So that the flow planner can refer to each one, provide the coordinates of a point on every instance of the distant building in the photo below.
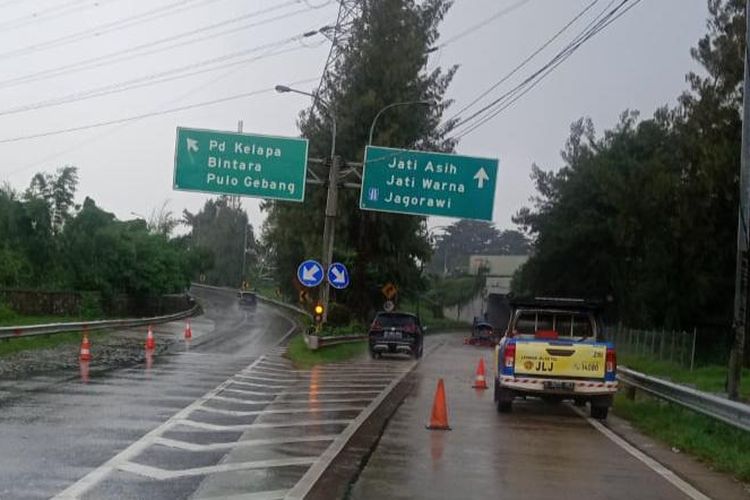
(496, 265)
(492, 303)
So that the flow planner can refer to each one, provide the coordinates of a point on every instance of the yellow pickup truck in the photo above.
(555, 349)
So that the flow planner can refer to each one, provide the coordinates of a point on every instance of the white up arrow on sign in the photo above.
(480, 177)
(308, 273)
(192, 145)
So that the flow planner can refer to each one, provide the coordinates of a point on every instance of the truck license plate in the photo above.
(559, 386)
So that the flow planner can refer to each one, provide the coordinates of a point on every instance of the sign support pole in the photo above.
(329, 228)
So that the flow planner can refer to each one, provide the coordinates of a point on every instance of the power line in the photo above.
(56, 12)
(114, 129)
(143, 49)
(523, 63)
(503, 102)
(472, 29)
(112, 26)
(148, 115)
(155, 78)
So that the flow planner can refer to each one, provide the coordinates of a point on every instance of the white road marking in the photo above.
(252, 384)
(258, 495)
(306, 401)
(299, 393)
(313, 474)
(243, 401)
(652, 464)
(240, 427)
(239, 413)
(184, 445)
(90, 480)
(162, 474)
(265, 379)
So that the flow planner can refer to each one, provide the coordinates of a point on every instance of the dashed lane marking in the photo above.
(162, 474)
(184, 445)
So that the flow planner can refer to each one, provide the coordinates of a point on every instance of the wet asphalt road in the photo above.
(226, 417)
(539, 451)
(55, 428)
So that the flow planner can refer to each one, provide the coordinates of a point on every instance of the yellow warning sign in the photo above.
(389, 290)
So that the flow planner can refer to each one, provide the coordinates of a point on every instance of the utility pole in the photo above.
(329, 227)
(736, 355)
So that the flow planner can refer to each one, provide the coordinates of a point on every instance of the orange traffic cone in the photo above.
(188, 330)
(439, 418)
(480, 382)
(85, 353)
(150, 342)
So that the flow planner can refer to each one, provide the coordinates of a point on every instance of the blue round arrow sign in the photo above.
(310, 273)
(338, 275)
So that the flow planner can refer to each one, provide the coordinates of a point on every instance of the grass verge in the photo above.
(302, 357)
(36, 320)
(710, 378)
(721, 446)
(12, 346)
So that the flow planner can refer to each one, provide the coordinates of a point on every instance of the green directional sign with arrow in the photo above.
(427, 183)
(238, 164)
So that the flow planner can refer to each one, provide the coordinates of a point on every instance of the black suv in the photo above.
(248, 299)
(396, 332)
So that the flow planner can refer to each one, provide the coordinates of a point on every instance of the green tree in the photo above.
(383, 62)
(464, 238)
(218, 235)
(647, 212)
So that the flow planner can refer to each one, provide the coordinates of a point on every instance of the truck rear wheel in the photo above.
(504, 406)
(599, 412)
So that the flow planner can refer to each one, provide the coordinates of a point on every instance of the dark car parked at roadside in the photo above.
(396, 333)
(248, 299)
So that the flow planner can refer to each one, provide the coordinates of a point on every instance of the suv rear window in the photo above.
(566, 324)
(394, 320)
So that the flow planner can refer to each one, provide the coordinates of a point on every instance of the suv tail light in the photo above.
(611, 360)
(509, 356)
(376, 326)
(410, 328)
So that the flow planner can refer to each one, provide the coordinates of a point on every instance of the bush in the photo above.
(338, 315)
(6, 313)
(91, 305)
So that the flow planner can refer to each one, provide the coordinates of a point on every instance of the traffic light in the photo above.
(318, 311)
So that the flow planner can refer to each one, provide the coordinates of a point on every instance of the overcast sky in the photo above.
(65, 49)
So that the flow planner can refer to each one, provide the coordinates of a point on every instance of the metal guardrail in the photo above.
(731, 412)
(11, 332)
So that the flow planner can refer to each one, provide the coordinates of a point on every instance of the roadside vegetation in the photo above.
(12, 346)
(708, 378)
(304, 358)
(646, 212)
(717, 444)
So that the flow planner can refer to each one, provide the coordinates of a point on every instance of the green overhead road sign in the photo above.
(426, 183)
(260, 166)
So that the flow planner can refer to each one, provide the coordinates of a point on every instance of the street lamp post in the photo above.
(385, 108)
(329, 226)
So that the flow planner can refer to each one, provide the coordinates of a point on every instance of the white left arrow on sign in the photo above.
(192, 145)
(481, 176)
(309, 273)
